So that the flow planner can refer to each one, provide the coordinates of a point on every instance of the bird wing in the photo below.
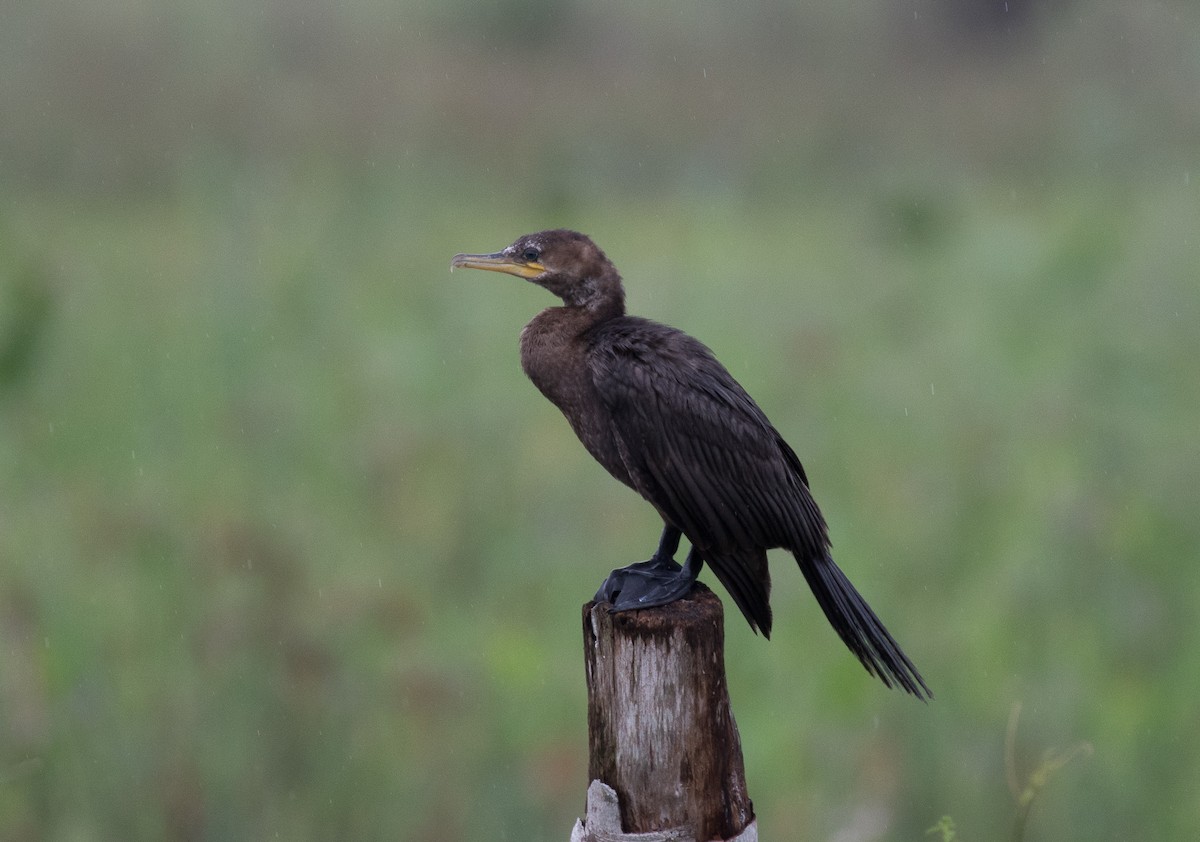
(703, 453)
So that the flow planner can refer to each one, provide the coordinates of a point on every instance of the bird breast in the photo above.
(554, 355)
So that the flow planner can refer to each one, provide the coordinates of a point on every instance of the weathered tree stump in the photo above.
(660, 730)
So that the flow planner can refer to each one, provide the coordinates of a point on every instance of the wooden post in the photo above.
(660, 731)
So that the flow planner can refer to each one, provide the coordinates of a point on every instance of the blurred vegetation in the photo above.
(289, 548)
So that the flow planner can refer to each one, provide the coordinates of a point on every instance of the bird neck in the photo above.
(599, 297)
(569, 322)
(601, 308)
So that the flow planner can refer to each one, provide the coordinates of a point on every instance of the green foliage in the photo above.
(25, 310)
(1025, 794)
(944, 829)
(290, 549)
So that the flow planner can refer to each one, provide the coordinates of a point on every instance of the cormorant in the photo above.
(657, 410)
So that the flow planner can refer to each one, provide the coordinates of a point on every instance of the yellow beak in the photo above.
(498, 262)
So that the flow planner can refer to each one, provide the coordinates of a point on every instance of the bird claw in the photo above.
(645, 584)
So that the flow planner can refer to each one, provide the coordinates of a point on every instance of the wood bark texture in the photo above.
(660, 729)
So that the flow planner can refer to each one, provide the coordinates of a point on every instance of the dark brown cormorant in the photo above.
(657, 410)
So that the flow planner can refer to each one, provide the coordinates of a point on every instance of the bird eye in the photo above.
(530, 254)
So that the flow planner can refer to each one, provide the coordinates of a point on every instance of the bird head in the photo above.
(564, 262)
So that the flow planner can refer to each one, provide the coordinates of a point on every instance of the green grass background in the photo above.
(289, 549)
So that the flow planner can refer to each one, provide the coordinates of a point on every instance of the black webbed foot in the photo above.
(646, 584)
(657, 581)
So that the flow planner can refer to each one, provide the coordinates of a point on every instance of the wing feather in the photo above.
(702, 452)
(696, 445)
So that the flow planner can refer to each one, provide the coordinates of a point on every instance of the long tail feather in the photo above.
(860, 629)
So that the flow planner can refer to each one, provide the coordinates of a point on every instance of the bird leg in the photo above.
(656, 581)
